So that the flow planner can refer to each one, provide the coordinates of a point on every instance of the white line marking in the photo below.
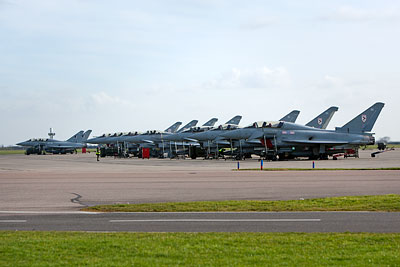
(45, 212)
(12, 221)
(219, 220)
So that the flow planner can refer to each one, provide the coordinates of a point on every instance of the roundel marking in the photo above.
(364, 118)
(319, 121)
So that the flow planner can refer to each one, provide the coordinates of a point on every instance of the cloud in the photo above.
(353, 14)
(260, 78)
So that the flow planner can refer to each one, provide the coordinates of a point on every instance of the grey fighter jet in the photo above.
(183, 138)
(214, 133)
(41, 145)
(112, 138)
(185, 135)
(321, 122)
(152, 136)
(285, 139)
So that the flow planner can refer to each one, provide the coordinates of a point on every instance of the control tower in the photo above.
(51, 133)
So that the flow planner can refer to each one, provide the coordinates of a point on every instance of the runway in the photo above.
(378, 222)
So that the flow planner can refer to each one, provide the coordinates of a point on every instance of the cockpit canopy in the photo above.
(38, 140)
(226, 127)
(198, 129)
(152, 132)
(118, 134)
(266, 124)
(132, 133)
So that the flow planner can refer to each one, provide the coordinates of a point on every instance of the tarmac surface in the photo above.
(378, 222)
(70, 182)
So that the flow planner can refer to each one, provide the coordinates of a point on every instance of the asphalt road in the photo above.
(379, 222)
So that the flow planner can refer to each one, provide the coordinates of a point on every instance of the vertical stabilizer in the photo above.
(323, 119)
(76, 138)
(235, 120)
(173, 127)
(291, 117)
(86, 136)
(364, 122)
(211, 122)
(189, 125)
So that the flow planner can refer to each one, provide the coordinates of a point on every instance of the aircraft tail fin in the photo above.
(187, 126)
(364, 122)
(76, 138)
(211, 122)
(173, 127)
(235, 120)
(86, 136)
(323, 119)
(291, 117)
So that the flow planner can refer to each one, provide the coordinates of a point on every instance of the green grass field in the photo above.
(11, 152)
(389, 203)
(198, 249)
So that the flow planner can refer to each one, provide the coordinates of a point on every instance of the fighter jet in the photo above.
(152, 136)
(246, 147)
(285, 139)
(41, 145)
(215, 132)
(181, 136)
(321, 121)
(112, 138)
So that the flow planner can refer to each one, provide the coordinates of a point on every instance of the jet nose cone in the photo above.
(20, 144)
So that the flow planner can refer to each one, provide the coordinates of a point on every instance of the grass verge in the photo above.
(352, 203)
(11, 152)
(198, 249)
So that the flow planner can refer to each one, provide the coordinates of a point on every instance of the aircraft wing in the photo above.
(315, 142)
(222, 142)
(193, 144)
(148, 141)
(253, 141)
(191, 140)
(59, 146)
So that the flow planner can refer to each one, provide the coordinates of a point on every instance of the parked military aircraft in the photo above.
(246, 147)
(212, 139)
(285, 139)
(182, 135)
(41, 145)
(152, 136)
(111, 138)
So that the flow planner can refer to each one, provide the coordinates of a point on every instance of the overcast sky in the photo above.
(128, 65)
